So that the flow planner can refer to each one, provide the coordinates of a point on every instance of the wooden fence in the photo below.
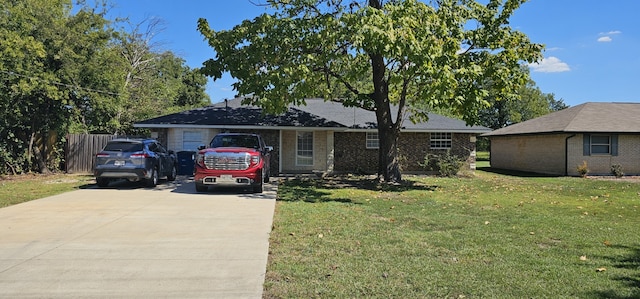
(81, 150)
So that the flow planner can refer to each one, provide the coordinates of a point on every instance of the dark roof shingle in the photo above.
(316, 113)
(583, 118)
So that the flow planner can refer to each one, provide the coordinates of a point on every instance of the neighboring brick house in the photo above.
(600, 134)
(323, 137)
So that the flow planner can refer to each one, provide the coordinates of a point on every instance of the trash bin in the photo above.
(186, 162)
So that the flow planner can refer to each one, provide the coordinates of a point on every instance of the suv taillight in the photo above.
(102, 155)
(141, 155)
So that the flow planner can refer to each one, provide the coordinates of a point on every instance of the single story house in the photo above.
(319, 137)
(598, 134)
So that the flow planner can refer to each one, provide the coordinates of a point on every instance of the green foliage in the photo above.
(446, 164)
(616, 170)
(583, 169)
(64, 69)
(528, 103)
(377, 55)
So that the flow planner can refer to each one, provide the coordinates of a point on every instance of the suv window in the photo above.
(123, 146)
(153, 147)
(160, 149)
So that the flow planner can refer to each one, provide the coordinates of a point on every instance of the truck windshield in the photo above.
(235, 141)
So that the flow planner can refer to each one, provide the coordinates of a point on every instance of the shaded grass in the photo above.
(493, 236)
(19, 189)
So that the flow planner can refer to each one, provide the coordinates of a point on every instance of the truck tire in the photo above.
(266, 177)
(201, 188)
(258, 187)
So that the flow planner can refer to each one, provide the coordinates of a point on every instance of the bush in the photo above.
(616, 169)
(445, 164)
(583, 169)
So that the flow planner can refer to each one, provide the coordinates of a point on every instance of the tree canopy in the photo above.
(414, 55)
(64, 69)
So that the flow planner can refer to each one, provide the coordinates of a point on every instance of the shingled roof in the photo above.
(585, 118)
(317, 113)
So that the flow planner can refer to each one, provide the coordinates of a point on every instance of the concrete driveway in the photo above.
(133, 242)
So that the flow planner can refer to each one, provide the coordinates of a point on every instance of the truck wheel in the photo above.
(266, 177)
(201, 188)
(102, 182)
(153, 180)
(173, 174)
(258, 188)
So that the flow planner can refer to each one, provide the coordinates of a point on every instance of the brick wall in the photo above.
(536, 153)
(351, 154)
(628, 156)
(546, 154)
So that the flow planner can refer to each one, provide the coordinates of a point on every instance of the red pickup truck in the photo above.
(233, 159)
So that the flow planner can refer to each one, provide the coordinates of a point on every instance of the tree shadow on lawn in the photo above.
(308, 189)
(515, 173)
(631, 264)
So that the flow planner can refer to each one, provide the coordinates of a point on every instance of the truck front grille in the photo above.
(227, 161)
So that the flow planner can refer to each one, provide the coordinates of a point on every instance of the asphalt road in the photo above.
(128, 241)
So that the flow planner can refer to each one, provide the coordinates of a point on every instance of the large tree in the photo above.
(530, 103)
(66, 69)
(415, 56)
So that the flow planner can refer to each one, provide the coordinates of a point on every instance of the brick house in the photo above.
(600, 134)
(323, 137)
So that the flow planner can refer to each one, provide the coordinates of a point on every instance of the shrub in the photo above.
(583, 169)
(616, 169)
(445, 164)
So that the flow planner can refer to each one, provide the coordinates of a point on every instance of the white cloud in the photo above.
(550, 65)
(604, 39)
(614, 32)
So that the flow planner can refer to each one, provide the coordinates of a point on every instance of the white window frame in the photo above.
(188, 142)
(441, 140)
(304, 156)
(373, 142)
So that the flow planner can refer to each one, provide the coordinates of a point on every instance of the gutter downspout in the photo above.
(566, 154)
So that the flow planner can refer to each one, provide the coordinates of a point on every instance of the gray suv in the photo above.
(135, 160)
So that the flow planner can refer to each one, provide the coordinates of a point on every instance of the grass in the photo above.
(483, 156)
(23, 188)
(490, 236)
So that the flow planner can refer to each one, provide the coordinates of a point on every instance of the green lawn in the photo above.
(490, 236)
(18, 189)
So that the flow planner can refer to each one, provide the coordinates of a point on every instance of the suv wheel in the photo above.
(172, 175)
(153, 180)
(102, 182)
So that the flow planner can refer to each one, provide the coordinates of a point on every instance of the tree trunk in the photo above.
(388, 131)
(36, 154)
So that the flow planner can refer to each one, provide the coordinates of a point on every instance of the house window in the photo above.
(440, 140)
(601, 144)
(191, 140)
(304, 150)
(372, 140)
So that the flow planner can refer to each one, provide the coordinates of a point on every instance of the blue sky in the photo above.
(591, 45)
